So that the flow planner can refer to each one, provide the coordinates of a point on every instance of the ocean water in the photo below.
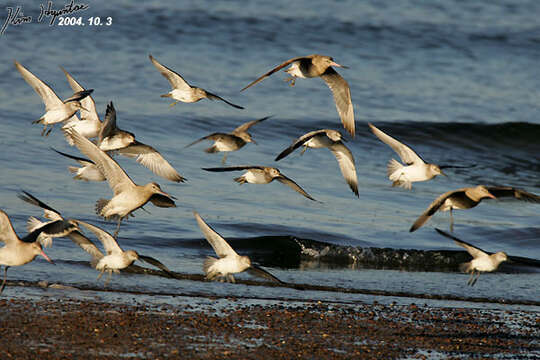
(456, 81)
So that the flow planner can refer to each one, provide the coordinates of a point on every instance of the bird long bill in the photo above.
(46, 257)
(442, 173)
(333, 63)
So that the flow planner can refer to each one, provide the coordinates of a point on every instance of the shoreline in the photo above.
(55, 324)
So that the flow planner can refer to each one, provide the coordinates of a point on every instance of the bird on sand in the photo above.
(88, 170)
(111, 138)
(235, 140)
(128, 196)
(229, 261)
(469, 197)
(56, 110)
(16, 251)
(333, 140)
(415, 169)
(320, 66)
(481, 262)
(89, 124)
(261, 175)
(182, 91)
(33, 224)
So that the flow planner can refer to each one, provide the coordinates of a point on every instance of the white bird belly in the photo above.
(227, 265)
(225, 145)
(256, 177)
(295, 71)
(112, 262)
(87, 128)
(318, 142)
(411, 173)
(122, 204)
(57, 115)
(184, 96)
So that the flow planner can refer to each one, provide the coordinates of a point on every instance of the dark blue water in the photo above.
(456, 81)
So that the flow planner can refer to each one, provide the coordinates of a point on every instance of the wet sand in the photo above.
(225, 328)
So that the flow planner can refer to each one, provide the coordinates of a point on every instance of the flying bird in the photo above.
(481, 262)
(415, 169)
(89, 124)
(115, 258)
(235, 140)
(64, 229)
(88, 170)
(128, 196)
(261, 175)
(182, 91)
(469, 197)
(229, 261)
(16, 251)
(333, 140)
(111, 138)
(320, 66)
(56, 110)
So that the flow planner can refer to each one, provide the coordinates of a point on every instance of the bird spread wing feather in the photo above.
(297, 143)
(260, 272)
(176, 81)
(433, 207)
(218, 243)
(233, 168)
(245, 126)
(7, 233)
(345, 160)
(109, 243)
(211, 96)
(89, 112)
(471, 249)
(117, 178)
(150, 158)
(407, 155)
(508, 191)
(290, 183)
(342, 97)
(47, 94)
(277, 68)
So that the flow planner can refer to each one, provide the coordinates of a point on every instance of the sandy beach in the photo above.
(64, 327)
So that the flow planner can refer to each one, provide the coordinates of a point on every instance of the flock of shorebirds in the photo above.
(110, 140)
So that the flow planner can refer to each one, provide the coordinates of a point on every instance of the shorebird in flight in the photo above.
(115, 258)
(469, 197)
(52, 215)
(112, 138)
(56, 110)
(235, 140)
(128, 196)
(16, 251)
(182, 91)
(481, 262)
(320, 66)
(261, 175)
(229, 261)
(89, 124)
(88, 170)
(333, 140)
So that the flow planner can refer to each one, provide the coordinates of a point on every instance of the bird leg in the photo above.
(476, 278)
(231, 279)
(117, 229)
(291, 80)
(174, 103)
(49, 131)
(44, 130)
(100, 275)
(452, 222)
(108, 278)
(303, 150)
(224, 159)
(5, 278)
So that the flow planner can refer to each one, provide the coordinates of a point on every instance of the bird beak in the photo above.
(491, 196)
(46, 257)
(343, 139)
(253, 141)
(333, 63)
(173, 197)
(83, 108)
(443, 174)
